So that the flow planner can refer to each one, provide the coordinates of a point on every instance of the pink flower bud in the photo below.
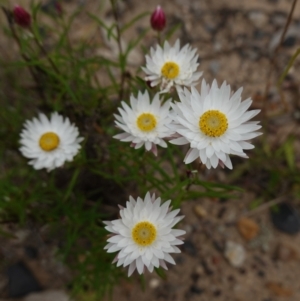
(58, 7)
(21, 16)
(158, 19)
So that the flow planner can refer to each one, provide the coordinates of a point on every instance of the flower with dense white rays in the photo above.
(49, 142)
(171, 66)
(144, 122)
(143, 235)
(214, 123)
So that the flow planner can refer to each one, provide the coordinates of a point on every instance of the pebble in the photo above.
(286, 218)
(196, 290)
(21, 281)
(189, 248)
(248, 228)
(278, 18)
(20, 236)
(234, 253)
(285, 252)
(50, 295)
(263, 240)
(291, 38)
(200, 211)
(289, 41)
(154, 283)
(214, 67)
(259, 18)
(279, 290)
(199, 270)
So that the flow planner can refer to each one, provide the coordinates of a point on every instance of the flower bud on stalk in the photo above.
(58, 8)
(21, 16)
(158, 19)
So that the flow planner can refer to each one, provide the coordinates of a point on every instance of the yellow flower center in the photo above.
(213, 123)
(146, 122)
(170, 70)
(144, 234)
(49, 141)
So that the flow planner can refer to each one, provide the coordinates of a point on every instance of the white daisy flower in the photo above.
(214, 123)
(49, 143)
(170, 66)
(144, 123)
(143, 235)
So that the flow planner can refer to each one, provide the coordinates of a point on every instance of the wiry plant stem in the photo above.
(121, 55)
(274, 57)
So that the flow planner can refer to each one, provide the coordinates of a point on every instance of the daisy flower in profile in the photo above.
(214, 123)
(172, 66)
(144, 123)
(143, 235)
(49, 142)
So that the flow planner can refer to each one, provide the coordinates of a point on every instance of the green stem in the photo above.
(121, 54)
(71, 184)
(158, 37)
(273, 62)
(44, 52)
(288, 67)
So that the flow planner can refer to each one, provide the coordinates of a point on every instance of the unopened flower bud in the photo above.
(21, 16)
(158, 19)
(58, 7)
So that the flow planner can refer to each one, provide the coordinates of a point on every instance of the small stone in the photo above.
(259, 18)
(235, 253)
(154, 283)
(248, 228)
(50, 295)
(291, 37)
(199, 270)
(200, 211)
(285, 252)
(286, 218)
(289, 41)
(279, 290)
(214, 67)
(21, 281)
(20, 236)
(196, 290)
(278, 18)
(189, 248)
(265, 247)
